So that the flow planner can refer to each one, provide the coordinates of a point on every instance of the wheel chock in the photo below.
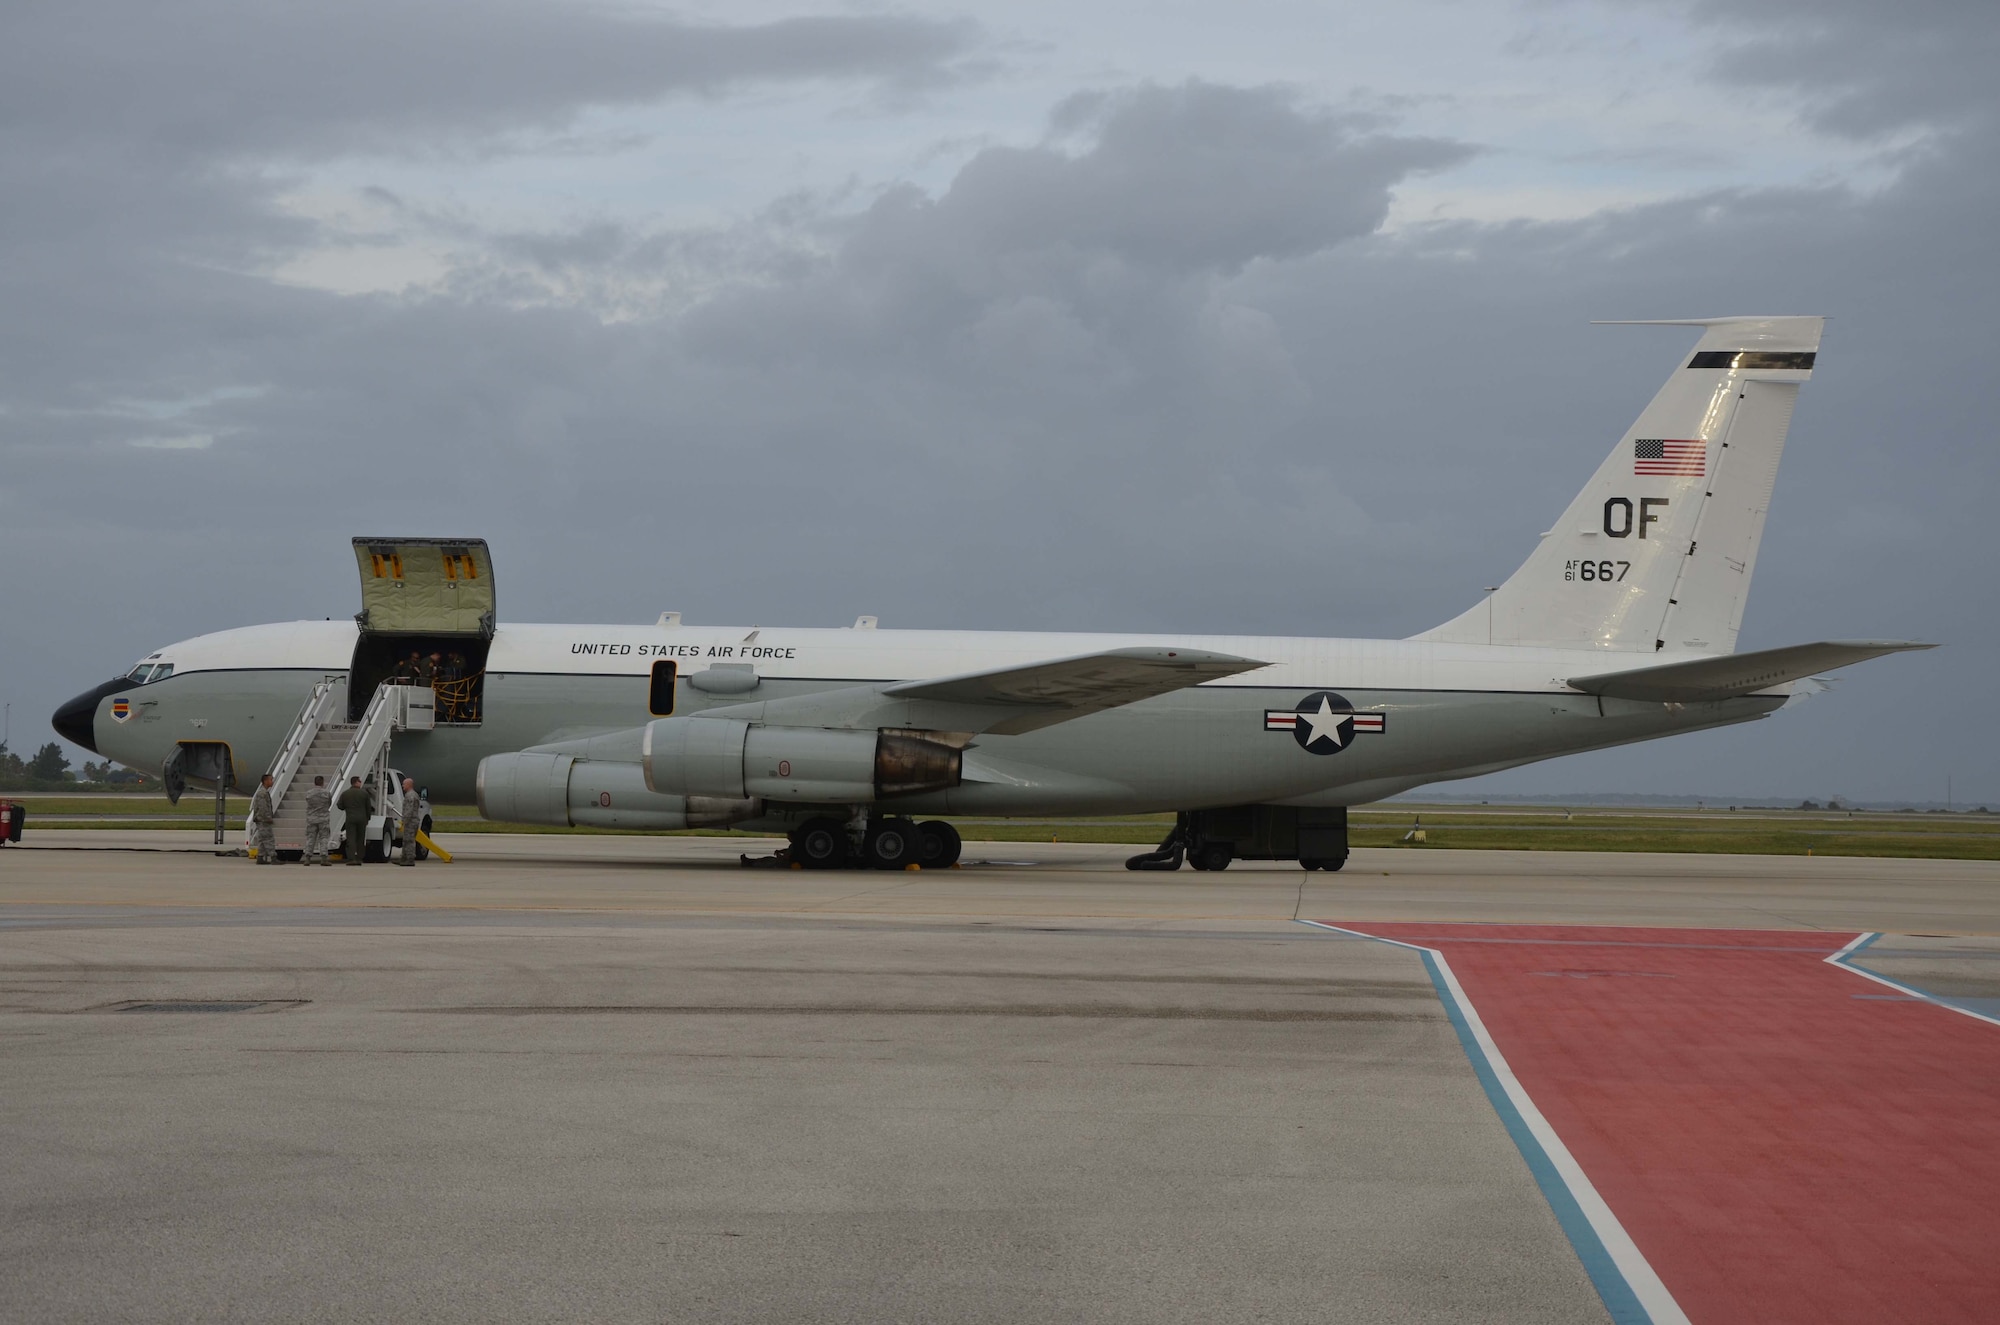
(913, 866)
(424, 840)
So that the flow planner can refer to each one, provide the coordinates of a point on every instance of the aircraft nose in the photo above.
(76, 721)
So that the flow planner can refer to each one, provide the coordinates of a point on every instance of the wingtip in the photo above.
(1706, 321)
(1888, 645)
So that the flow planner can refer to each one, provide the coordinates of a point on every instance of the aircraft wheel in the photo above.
(939, 845)
(893, 843)
(820, 844)
(1212, 856)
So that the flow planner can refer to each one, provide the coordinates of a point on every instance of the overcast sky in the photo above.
(1268, 317)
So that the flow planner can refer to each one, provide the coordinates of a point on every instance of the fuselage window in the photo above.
(660, 696)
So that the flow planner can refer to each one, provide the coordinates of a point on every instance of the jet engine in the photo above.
(724, 757)
(564, 791)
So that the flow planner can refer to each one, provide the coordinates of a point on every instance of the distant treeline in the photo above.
(48, 770)
(1615, 800)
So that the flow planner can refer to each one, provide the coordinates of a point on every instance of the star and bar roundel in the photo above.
(1323, 723)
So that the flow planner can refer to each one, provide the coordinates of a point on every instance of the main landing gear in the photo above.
(1212, 839)
(886, 844)
(1169, 854)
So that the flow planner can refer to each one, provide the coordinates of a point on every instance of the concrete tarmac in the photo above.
(624, 1079)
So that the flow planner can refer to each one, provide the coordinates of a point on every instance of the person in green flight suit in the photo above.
(357, 803)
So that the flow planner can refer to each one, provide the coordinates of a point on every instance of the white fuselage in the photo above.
(1447, 710)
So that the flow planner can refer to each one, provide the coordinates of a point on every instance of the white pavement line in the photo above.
(1861, 941)
(1640, 1278)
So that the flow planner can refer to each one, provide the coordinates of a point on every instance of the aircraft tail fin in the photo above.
(1657, 551)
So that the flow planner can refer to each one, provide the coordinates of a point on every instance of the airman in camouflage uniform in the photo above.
(263, 823)
(412, 813)
(319, 823)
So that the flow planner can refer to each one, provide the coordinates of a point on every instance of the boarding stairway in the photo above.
(321, 745)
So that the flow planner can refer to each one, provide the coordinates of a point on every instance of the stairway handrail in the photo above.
(313, 715)
(381, 719)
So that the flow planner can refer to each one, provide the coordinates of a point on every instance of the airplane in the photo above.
(1620, 626)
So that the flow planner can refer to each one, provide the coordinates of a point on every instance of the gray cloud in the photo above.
(1862, 68)
(146, 147)
(1186, 178)
(1162, 371)
(213, 77)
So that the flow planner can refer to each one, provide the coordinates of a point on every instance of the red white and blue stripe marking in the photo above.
(1286, 720)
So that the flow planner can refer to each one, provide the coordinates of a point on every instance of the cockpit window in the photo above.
(147, 672)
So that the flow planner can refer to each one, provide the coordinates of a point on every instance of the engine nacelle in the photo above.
(564, 791)
(727, 758)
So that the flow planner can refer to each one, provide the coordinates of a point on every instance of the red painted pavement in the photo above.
(1778, 1148)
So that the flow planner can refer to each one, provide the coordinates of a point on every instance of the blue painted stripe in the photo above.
(1974, 1007)
(1605, 1276)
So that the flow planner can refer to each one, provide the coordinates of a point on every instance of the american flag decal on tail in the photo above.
(1666, 455)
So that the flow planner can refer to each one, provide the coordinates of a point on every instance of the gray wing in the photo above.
(1003, 700)
(1044, 693)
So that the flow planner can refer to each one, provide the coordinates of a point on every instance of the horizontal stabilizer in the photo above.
(1735, 674)
(1066, 688)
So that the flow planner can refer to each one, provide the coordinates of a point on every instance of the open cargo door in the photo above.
(423, 598)
(425, 586)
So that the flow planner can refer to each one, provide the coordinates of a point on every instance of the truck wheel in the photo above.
(820, 844)
(1212, 856)
(939, 845)
(893, 843)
